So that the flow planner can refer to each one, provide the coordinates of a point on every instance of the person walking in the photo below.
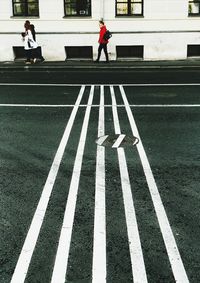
(36, 51)
(32, 50)
(29, 43)
(102, 42)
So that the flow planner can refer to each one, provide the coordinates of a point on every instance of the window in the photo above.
(130, 52)
(193, 50)
(78, 52)
(25, 8)
(129, 7)
(194, 8)
(80, 8)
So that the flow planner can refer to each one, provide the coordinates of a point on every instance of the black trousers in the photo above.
(36, 53)
(28, 55)
(104, 47)
(33, 53)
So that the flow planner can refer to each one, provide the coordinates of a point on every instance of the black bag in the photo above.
(107, 35)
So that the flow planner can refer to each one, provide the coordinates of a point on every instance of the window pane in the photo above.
(136, 9)
(19, 9)
(194, 8)
(33, 9)
(122, 9)
(70, 10)
(136, 1)
(25, 7)
(120, 1)
(77, 8)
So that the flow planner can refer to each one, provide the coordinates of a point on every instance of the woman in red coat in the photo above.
(102, 42)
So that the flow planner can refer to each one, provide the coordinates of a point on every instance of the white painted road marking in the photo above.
(137, 260)
(106, 105)
(22, 266)
(119, 140)
(170, 243)
(61, 261)
(75, 85)
(102, 139)
(99, 242)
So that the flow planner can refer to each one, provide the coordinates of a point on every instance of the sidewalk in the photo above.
(83, 64)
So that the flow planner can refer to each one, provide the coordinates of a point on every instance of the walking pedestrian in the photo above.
(102, 42)
(36, 51)
(32, 50)
(29, 43)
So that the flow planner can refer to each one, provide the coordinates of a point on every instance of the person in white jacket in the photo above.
(29, 44)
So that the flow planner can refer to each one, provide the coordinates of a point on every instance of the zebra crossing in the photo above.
(99, 250)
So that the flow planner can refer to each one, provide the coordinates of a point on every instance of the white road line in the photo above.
(170, 243)
(22, 266)
(164, 105)
(37, 105)
(106, 105)
(118, 141)
(31, 84)
(164, 84)
(61, 261)
(137, 260)
(99, 242)
(127, 85)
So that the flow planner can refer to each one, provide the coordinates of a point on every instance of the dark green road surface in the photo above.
(32, 123)
(99, 76)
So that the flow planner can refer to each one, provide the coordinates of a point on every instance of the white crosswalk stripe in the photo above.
(99, 245)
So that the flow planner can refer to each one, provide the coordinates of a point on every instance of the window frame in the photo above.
(78, 15)
(193, 14)
(26, 3)
(129, 2)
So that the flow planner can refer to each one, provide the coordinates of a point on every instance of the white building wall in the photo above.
(165, 30)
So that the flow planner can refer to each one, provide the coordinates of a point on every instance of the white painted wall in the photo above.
(153, 30)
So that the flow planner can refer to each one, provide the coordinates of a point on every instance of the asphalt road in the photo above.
(99, 75)
(167, 118)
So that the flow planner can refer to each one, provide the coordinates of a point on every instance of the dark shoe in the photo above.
(96, 61)
(42, 60)
(107, 61)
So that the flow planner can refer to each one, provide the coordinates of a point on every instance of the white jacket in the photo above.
(29, 38)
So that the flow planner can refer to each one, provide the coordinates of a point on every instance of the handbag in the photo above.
(107, 35)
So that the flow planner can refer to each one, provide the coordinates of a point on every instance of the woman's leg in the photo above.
(28, 55)
(106, 52)
(99, 51)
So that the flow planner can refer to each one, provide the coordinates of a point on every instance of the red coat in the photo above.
(101, 34)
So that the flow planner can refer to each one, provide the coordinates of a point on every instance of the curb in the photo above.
(12, 66)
